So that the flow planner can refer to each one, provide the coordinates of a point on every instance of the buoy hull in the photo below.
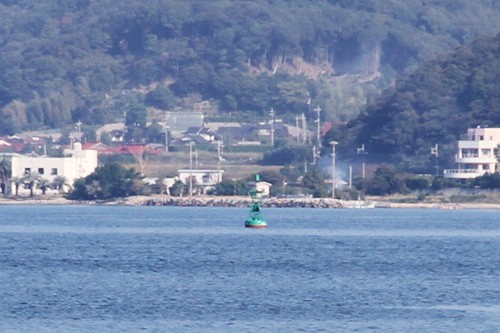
(255, 224)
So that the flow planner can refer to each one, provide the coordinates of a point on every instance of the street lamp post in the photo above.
(334, 183)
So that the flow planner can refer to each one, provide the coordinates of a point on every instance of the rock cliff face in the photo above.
(243, 202)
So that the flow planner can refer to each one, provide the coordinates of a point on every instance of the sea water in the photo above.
(172, 269)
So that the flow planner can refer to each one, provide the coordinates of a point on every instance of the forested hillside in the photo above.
(434, 105)
(68, 60)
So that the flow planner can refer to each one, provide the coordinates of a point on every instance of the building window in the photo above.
(486, 167)
(469, 153)
(485, 152)
(54, 171)
(481, 138)
(40, 171)
(27, 170)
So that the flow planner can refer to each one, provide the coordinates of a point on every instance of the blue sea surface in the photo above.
(196, 269)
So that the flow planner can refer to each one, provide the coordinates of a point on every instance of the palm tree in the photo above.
(5, 172)
(16, 181)
(30, 180)
(44, 184)
(59, 182)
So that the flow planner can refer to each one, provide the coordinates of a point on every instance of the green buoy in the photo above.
(255, 219)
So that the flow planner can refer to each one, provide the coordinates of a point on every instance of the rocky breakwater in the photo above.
(243, 202)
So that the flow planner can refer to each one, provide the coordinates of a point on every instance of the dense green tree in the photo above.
(136, 116)
(441, 183)
(135, 121)
(315, 181)
(232, 187)
(65, 138)
(5, 173)
(108, 181)
(177, 190)
(290, 174)
(384, 182)
(155, 133)
(89, 134)
(287, 155)
(417, 183)
(161, 98)
(106, 138)
(487, 181)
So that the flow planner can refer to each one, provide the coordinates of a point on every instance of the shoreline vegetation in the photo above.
(243, 201)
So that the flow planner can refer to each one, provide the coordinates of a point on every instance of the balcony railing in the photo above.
(448, 171)
(468, 155)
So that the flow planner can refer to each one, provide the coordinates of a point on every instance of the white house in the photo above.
(206, 179)
(476, 155)
(77, 164)
(261, 186)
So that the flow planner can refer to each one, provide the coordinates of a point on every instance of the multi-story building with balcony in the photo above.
(476, 155)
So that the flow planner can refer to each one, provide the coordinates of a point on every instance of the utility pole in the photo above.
(318, 128)
(315, 155)
(297, 126)
(334, 183)
(191, 168)
(166, 138)
(362, 152)
(304, 129)
(350, 176)
(435, 151)
(271, 113)
(219, 159)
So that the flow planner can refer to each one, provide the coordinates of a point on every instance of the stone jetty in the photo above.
(243, 202)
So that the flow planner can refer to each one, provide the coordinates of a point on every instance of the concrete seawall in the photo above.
(243, 202)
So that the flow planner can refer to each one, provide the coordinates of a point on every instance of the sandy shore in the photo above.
(158, 200)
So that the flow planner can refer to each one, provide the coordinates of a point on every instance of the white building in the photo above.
(476, 155)
(261, 186)
(206, 179)
(77, 164)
